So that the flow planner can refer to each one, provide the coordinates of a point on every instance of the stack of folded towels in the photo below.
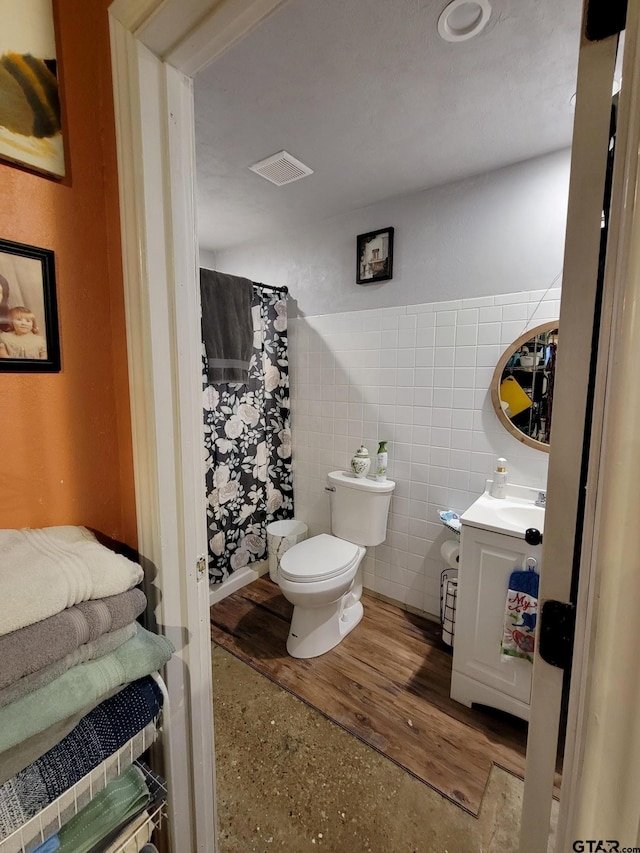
(75, 669)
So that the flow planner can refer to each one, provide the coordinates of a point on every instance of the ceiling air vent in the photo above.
(281, 168)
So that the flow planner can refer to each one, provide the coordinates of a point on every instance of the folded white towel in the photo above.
(44, 571)
(69, 533)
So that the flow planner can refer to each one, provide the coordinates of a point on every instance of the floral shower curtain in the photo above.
(249, 479)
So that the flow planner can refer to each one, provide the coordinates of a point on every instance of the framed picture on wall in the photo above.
(29, 338)
(375, 256)
(30, 123)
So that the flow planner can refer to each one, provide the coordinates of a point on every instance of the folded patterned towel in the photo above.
(13, 760)
(61, 569)
(122, 799)
(89, 651)
(97, 736)
(35, 647)
(157, 793)
(140, 656)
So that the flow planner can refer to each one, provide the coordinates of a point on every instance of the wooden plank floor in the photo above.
(387, 683)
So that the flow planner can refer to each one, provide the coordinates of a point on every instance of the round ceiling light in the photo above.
(463, 19)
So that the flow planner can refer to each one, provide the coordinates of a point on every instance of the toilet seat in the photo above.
(319, 558)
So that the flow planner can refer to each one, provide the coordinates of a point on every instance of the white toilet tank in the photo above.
(359, 507)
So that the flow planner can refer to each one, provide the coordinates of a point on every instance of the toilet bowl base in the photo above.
(316, 630)
(350, 617)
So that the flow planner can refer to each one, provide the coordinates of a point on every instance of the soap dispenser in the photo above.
(499, 484)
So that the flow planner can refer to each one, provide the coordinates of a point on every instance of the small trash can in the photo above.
(282, 535)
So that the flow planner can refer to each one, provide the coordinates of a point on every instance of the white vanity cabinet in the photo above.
(480, 673)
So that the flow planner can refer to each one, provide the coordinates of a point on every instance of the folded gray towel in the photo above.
(105, 644)
(37, 646)
(227, 326)
(57, 701)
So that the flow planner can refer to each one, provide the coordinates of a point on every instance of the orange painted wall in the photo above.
(67, 456)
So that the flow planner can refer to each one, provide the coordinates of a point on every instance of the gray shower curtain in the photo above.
(249, 480)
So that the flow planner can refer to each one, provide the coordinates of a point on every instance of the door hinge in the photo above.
(201, 566)
(557, 629)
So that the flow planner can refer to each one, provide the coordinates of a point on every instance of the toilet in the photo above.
(321, 576)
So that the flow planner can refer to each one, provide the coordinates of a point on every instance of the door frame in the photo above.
(602, 775)
(157, 47)
(568, 538)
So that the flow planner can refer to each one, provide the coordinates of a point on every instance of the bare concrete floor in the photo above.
(289, 779)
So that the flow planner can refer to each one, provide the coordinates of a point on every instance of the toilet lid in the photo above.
(319, 558)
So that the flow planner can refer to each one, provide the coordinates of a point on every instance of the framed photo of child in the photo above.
(29, 338)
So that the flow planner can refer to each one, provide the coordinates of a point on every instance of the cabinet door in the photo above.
(486, 562)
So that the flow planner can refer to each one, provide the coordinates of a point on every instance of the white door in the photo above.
(581, 376)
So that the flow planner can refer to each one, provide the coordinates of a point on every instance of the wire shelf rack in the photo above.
(49, 820)
(139, 831)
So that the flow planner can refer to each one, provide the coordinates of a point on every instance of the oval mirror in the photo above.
(522, 385)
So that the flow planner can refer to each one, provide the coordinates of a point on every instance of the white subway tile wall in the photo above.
(417, 376)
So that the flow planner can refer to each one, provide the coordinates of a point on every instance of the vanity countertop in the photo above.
(511, 515)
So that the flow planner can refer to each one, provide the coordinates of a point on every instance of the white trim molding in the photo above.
(241, 577)
(156, 161)
(170, 533)
(578, 309)
(225, 26)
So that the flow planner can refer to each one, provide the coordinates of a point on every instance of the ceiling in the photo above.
(368, 95)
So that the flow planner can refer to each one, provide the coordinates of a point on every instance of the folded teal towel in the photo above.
(79, 686)
(120, 800)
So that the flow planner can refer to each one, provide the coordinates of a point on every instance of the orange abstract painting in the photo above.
(30, 126)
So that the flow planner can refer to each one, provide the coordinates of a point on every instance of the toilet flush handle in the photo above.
(329, 488)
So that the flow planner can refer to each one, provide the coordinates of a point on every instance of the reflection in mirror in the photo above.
(522, 385)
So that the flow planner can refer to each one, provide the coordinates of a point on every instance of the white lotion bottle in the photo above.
(499, 484)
